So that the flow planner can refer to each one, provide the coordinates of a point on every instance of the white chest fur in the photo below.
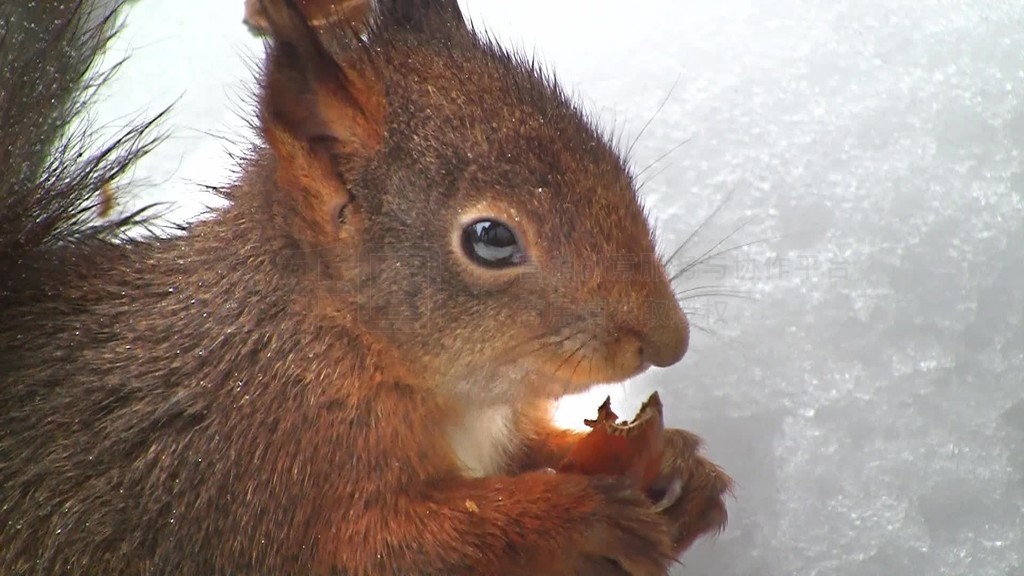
(483, 440)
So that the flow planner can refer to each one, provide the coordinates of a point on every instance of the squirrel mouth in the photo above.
(559, 378)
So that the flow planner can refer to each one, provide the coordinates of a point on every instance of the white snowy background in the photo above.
(868, 397)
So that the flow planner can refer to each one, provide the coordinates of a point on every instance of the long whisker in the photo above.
(696, 288)
(704, 257)
(538, 339)
(698, 229)
(545, 341)
(590, 368)
(652, 177)
(667, 153)
(576, 351)
(707, 289)
(583, 357)
(664, 102)
(722, 294)
(705, 330)
(531, 342)
(709, 255)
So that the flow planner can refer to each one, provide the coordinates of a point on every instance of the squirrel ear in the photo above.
(322, 114)
(317, 12)
(422, 14)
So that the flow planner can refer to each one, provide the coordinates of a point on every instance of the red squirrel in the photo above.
(350, 368)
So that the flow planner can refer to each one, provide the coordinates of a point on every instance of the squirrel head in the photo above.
(463, 211)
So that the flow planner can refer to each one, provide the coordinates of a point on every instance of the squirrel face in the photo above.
(474, 219)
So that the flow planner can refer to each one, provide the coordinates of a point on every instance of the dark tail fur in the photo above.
(51, 167)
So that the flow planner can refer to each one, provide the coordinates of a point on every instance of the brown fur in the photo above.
(275, 391)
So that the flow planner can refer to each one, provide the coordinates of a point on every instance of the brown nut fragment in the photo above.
(628, 449)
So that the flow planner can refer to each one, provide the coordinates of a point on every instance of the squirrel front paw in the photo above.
(628, 537)
(692, 490)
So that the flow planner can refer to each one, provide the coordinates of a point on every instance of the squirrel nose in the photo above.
(669, 336)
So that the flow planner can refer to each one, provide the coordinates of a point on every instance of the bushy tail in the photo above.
(52, 169)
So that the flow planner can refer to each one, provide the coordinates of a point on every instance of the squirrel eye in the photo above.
(492, 244)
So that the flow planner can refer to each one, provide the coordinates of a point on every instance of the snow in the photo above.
(868, 395)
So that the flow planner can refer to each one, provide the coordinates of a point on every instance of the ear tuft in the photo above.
(318, 13)
(322, 114)
(422, 15)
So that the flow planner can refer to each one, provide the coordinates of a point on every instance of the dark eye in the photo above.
(491, 244)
